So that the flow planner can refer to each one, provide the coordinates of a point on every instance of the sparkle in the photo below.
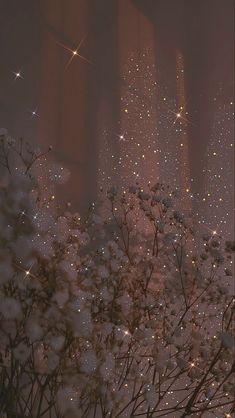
(17, 75)
(27, 272)
(75, 53)
(181, 115)
(34, 113)
(121, 137)
(22, 213)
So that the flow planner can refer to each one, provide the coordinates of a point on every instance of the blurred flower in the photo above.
(10, 308)
(22, 353)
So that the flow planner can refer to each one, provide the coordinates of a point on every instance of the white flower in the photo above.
(62, 229)
(144, 206)
(107, 328)
(52, 361)
(33, 330)
(112, 193)
(7, 231)
(21, 352)
(228, 340)
(156, 199)
(209, 393)
(20, 182)
(88, 362)
(122, 334)
(113, 246)
(84, 238)
(167, 202)
(106, 295)
(194, 373)
(22, 247)
(181, 363)
(78, 303)
(3, 132)
(97, 219)
(107, 367)
(103, 272)
(139, 334)
(4, 340)
(115, 266)
(161, 359)
(57, 342)
(178, 216)
(61, 297)
(150, 395)
(156, 187)
(69, 269)
(39, 358)
(68, 401)
(125, 302)
(7, 271)
(42, 245)
(133, 189)
(43, 220)
(143, 196)
(82, 323)
(10, 308)
(205, 353)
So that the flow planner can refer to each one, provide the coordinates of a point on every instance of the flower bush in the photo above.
(125, 313)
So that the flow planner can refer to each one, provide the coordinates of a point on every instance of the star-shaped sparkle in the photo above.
(74, 53)
(181, 115)
(17, 75)
(27, 272)
(34, 113)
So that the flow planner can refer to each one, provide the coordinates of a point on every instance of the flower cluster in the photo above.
(125, 313)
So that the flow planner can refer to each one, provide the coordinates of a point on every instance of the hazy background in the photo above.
(76, 105)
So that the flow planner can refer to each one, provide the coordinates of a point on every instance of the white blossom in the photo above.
(88, 362)
(33, 330)
(21, 352)
(10, 308)
(93, 313)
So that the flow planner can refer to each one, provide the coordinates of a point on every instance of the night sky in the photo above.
(125, 91)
